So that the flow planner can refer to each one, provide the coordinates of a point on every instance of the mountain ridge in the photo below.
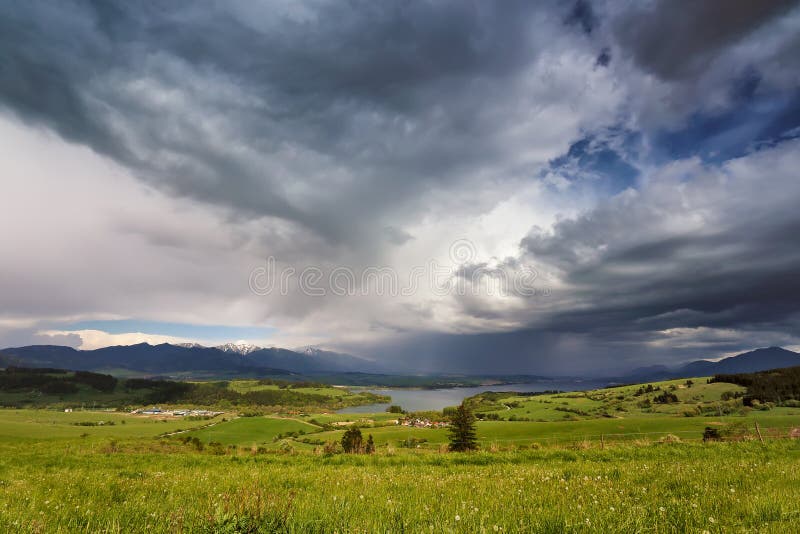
(167, 358)
(761, 359)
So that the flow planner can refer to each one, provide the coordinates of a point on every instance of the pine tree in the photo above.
(370, 447)
(462, 430)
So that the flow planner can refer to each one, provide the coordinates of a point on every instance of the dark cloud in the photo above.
(695, 248)
(679, 39)
(698, 262)
(604, 57)
(582, 15)
(222, 103)
(522, 351)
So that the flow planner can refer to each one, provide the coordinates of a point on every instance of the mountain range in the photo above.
(188, 358)
(241, 359)
(747, 362)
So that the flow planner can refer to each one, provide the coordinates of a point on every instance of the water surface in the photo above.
(435, 399)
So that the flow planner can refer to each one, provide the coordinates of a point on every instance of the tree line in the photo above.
(53, 381)
(776, 385)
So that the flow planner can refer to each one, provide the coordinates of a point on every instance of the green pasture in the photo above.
(25, 426)
(664, 488)
(614, 401)
(247, 431)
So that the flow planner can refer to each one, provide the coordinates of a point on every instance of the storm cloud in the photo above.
(638, 158)
(677, 40)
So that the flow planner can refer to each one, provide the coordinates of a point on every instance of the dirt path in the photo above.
(168, 434)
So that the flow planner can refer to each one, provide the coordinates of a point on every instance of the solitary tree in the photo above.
(352, 440)
(462, 430)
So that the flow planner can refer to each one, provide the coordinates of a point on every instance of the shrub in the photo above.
(711, 434)
(330, 448)
(667, 397)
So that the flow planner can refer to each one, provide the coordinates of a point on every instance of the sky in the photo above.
(450, 186)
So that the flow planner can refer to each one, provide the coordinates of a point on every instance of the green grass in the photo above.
(359, 418)
(26, 426)
(247, 431)
(243, 386)
(660, 488)
(619, 401)
(138, 475)
(558, 432)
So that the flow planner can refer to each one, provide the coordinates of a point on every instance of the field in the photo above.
(695, 395)
(27, 427)
(642, 469)
(150, 486)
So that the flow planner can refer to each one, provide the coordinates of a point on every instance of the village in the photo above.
(155, 410)
(421, 422)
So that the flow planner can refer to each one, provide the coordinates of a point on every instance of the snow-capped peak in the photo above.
(239, 348)
(309, 350)
(191, 345)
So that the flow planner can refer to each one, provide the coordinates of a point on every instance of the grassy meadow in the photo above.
(162, 486)
(615, 464)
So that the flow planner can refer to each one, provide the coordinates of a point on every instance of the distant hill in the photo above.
(165, 359)
(748, 362)
(6, 361)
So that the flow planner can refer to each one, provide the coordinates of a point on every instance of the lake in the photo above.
(413, 400)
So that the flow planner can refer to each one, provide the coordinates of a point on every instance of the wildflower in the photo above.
(458, 517)
(661, 509)
(712, 520)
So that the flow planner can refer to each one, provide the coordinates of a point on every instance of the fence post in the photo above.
(602, 442)
(758, 431)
